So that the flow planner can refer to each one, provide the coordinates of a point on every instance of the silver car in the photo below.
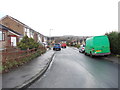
(82, 49)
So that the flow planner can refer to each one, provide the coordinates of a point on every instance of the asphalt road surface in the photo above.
(71, 69)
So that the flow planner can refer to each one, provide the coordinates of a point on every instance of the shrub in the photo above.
(114, 38)
(9, 64)
(77, 45)
(27, 43)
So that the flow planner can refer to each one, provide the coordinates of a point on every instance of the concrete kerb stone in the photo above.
(34, 78)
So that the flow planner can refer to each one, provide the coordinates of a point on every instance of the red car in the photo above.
(63, 45)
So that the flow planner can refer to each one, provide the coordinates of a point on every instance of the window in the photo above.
(28, 33)
(2, 36)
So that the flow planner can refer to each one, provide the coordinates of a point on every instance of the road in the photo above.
(71, 69)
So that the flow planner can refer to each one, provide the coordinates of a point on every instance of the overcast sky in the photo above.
(64, 17)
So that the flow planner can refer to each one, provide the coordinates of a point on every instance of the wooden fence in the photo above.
(15, 57)
(17, 53)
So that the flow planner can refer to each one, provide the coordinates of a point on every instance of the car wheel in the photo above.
(91, 55)
(85, 53)
(105, 55)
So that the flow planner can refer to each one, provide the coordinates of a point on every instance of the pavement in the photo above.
(25, 75)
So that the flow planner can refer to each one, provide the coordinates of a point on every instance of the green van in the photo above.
(97, 46)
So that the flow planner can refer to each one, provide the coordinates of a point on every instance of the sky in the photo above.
(64, 17)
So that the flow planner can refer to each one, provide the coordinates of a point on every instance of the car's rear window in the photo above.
(82, 45)
(57, 44)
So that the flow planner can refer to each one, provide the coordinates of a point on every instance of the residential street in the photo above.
(59, 44)
(71, 69)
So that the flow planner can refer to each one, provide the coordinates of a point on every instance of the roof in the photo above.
(21, 24)
(8, 29)
(15, 20)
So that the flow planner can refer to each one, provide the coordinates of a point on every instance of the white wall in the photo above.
(39, 38)
(28, 33)
(45, 39)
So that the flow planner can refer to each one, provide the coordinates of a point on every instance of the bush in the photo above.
(114, 38)
(9, 64)
(67, 43)
(27, 43)
(77, 45)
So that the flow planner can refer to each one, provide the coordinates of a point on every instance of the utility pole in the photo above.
(50, 37)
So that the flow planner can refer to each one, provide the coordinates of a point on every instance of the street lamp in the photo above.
(50, 37)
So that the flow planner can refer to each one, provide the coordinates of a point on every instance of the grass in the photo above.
(115, 55)
(118, 56)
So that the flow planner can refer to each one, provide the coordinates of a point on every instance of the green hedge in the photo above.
(114, 38)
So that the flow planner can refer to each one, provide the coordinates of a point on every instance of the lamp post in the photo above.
(50, 37)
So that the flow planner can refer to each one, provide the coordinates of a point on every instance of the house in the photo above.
(8, 37)
(17, 26)
(14, 24)
(22, 28)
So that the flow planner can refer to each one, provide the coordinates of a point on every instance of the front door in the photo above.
(13, 41)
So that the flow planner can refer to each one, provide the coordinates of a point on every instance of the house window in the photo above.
(2, 36)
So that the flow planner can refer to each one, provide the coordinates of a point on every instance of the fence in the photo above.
(17, 54)
(17, 57)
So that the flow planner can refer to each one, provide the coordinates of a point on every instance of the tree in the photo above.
(114, 38)
(27, 43)
(119, 43)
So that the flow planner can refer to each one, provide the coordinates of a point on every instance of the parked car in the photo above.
(82, 49)
(48, 46)
(97, 46)
(63, 45)
(43, 44)
(57, 47)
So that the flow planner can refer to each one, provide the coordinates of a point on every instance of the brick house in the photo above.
(23, 29)
(13, 24)
(8, 37)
